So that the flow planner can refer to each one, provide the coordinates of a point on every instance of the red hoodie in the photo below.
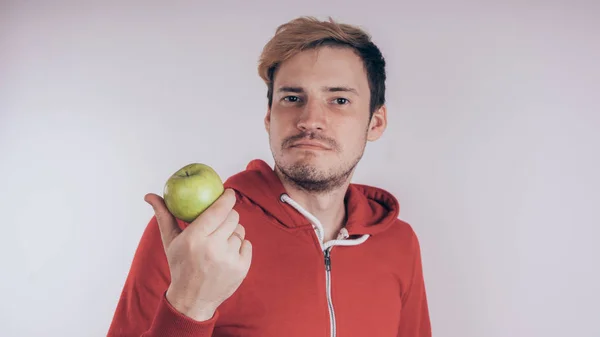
(367, 282)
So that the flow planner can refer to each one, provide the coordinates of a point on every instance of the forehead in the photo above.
(325, 66)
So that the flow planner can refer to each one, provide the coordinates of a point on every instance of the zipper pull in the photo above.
(327, 260)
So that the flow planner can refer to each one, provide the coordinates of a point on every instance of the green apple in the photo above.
(191, 190)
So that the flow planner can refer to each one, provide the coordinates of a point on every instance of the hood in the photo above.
(370, 210)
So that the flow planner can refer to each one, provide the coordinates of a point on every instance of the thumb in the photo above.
(167, 224)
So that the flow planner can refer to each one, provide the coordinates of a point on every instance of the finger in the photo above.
(241, 231)
(234, 242)
(167, 224)
(215, 214)
(246, 253)
(227, 227)
(237, 237)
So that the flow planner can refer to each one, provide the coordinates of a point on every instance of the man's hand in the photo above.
(208, 260)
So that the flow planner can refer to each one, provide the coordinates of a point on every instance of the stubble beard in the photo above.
(306, 176)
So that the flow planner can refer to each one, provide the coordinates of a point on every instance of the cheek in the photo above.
(280, 127)
(353, 137)
(275, 132)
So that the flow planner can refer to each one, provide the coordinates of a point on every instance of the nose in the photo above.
(312, 117)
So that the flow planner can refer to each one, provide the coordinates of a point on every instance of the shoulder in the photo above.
(404, 228)
(407, 235)
(398, 241)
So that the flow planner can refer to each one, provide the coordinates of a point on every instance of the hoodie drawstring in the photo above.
(341, 239)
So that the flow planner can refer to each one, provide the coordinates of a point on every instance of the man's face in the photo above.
(318, 123)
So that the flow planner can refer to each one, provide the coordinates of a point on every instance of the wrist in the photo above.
(195, 310)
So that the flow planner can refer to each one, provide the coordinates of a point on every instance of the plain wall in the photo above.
(493, 147)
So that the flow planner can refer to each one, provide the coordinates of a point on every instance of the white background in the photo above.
(493, 147)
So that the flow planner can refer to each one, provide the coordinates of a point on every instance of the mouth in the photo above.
(309, 145)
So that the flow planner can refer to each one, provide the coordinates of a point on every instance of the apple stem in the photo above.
(187, 174)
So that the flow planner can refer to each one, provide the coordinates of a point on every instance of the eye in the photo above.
(291, 99)
(341, 101)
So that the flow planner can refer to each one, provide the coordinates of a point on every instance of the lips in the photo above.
(310, 145)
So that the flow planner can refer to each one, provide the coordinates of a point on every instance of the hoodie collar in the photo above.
(369, 210)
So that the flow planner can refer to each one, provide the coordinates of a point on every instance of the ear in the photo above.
(268, 120)
(377, 124)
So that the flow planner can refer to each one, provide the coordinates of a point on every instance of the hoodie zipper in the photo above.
(332, 324)
(342, 236)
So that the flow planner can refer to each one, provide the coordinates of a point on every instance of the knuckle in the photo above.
(241, 231)
(234, 215)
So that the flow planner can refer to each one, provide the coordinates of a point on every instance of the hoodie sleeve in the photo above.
(142, 309)
(415, 321)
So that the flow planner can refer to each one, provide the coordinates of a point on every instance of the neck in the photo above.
(328, 207)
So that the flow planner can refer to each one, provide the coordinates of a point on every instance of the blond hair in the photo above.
(307, 33)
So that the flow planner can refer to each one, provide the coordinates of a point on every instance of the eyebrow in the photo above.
(300, 90)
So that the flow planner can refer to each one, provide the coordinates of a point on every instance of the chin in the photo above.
(310, 175)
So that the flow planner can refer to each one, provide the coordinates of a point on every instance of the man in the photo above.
(294, 250)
